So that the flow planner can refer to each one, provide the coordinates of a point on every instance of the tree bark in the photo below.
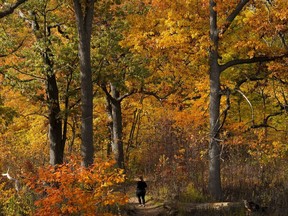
(117, 142)
(57, 144)
(214, 184)
(115, 125)
(84, 23)
(55, 122)
(109, 125)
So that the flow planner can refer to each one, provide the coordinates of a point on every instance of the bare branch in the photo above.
(252, 110)
(16, 182)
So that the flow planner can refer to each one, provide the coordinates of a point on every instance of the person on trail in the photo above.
(141, 191)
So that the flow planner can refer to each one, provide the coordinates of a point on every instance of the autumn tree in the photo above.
(178, 27)
(30, 74)
(119, 73)
(216, 31)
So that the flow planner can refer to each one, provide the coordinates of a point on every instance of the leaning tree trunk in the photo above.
(84, 23)
(214, 183)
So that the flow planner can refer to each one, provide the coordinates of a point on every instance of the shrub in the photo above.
(71, 189)
(192, 195)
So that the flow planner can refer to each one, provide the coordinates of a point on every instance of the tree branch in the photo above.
(251, 107)
(280, 80)
(104, 88)
(265, 122)
(11, 8)
(251, 60)
(126, 95)
(227, 92)
(233, 15)
(240, 82)
(14, 50)
(16, 183)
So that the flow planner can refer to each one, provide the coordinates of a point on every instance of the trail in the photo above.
(151, 208)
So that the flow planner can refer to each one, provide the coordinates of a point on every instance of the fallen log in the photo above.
(204, 207)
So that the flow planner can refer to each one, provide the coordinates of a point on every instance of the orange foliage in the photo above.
(70, 188)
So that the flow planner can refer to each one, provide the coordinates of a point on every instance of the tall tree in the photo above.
(116, 129)
(216, 69)
(84, 20)
(119, 73)
(179, 31)
(40, 22)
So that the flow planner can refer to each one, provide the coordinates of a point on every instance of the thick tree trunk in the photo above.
(214, 146)
(84, 23)
(57, 143)
(117, 142)
(87, 149)
(55, 123)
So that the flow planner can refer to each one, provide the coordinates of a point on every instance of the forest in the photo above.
(190, 94)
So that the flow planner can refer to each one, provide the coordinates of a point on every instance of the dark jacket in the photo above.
(141, 187)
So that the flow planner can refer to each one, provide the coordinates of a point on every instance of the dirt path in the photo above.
(154, 207)
(151, 208)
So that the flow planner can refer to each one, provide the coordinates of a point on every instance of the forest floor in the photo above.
(155, 207)
(151, 208)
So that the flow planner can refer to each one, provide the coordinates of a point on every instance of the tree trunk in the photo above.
(117, 142)
(84, 24)
(55, 122)
(56, 140)
(214, 184)
(109, 125)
